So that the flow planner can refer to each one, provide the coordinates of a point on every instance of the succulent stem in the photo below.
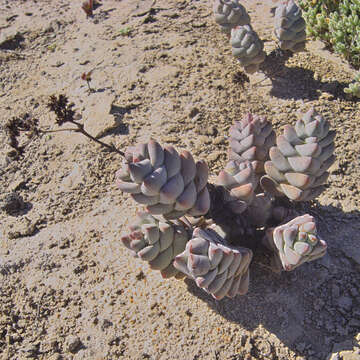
(90, 88)
(80, 129)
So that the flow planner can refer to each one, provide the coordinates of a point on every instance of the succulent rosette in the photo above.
(247, 48)
(250, 139)
(295, 242)
(157, 241)
(290, 26)
(230, 13)
(218, 268)
(208, 232)
(299, 162)
(238, 178)
(168, 183)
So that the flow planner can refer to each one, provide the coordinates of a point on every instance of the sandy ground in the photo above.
(161, 69)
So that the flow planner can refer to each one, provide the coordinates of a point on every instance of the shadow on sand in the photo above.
(315, 306)
(296, 82)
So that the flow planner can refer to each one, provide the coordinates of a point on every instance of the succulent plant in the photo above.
(354, 87)
(290, 26)
(220, 269)
(247, 48)
(239, 179)
(260, 210)
(157, 241)
(168, 183)
(209, 233)
(230, 13)
(241, 183)
(294, 243)
(251, 139)
(337, 24)
(298, 164)
(246, 45)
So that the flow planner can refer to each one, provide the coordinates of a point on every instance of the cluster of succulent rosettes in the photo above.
(230, 13)
(290, 26)
(294, 243)
(250, 139)
(220, 269)
(168, 183)
(247, 48)
(299, 162)
(157, 241)
(190, 223)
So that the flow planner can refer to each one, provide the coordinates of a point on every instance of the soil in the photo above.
(160, 69)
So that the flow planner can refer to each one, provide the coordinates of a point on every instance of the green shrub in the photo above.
(337, 23)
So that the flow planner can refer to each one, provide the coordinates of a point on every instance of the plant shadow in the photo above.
(313, 307)
(15, 205)
(13, 43)
(120, 127)
(298, 83)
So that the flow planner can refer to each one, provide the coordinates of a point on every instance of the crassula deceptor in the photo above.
(208, 232)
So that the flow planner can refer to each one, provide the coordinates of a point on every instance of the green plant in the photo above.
(252, 202)
(125, 31)
(354, 87)
(52, 47)
(337, 23)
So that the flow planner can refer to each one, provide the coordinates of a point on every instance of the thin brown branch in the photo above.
(81, 129)
(65, 114)
(57, 130)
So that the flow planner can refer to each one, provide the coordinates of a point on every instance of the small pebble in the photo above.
(72, 343)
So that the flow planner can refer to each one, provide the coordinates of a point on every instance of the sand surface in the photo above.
(161, 69)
